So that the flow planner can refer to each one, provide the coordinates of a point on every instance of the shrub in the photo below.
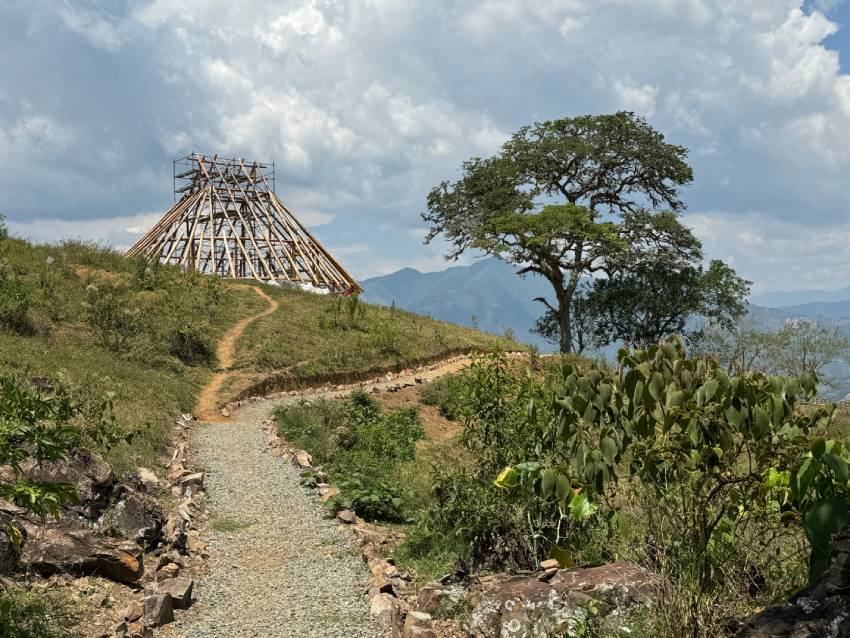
(33, 427)
(361, 447)
(111, 312)
(16, 297)
(445, 394)
(26, 614)
(507, 417)
(727, 468)
(192, 345)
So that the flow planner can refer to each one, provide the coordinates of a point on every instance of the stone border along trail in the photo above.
(280, 567)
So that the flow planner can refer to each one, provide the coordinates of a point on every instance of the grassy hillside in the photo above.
(91, 319)
(88, 318)
(313, 336)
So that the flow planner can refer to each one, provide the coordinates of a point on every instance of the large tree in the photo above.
(567, 198)
(660, 295)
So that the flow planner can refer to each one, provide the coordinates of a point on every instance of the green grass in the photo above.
(150, 384)
(100, 323)
(225, 525)
(27, 614)
(313, 336)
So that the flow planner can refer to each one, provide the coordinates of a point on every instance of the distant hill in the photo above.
(487, 294)
(490, 291)
(779, 299)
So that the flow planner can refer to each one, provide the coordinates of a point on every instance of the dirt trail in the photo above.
(279, 567)
(206, 409)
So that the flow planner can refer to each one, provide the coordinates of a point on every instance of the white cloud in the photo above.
(365, 105)
(640, 99)
(92, 25)
(119, 232)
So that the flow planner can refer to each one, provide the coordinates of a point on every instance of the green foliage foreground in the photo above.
(360, 447)
(721, 485)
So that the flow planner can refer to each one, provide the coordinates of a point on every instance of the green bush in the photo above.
(25, 614)
(16, 298)
(727, 469)
(360, 447)
(192, 345)
(34, 427)
(508, 417)
(111, 312)
(444, 393)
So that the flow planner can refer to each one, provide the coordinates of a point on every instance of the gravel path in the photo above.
(284, 569)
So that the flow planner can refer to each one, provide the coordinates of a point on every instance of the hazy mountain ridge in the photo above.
(490, 291)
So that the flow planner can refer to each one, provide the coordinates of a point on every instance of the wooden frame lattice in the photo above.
(229, 222)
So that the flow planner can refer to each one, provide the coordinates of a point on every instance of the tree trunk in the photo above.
(565, 324)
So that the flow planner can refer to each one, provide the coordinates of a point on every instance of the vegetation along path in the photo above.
(278, 566)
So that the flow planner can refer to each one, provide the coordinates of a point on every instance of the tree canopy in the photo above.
(570, 198)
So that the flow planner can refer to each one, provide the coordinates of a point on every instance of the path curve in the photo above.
(207, 407)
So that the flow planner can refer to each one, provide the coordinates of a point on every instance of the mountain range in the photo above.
(489, 295)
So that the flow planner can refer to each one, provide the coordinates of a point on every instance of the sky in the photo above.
(365, 105)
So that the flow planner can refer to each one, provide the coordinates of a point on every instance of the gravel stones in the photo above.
(287, 571)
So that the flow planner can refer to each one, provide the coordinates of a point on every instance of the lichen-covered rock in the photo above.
(821, 610)
(135, 516)
(514, 606)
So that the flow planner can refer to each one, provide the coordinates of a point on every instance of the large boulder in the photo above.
(818, 610)
(134, 516)
(86, 471)
(514, 605)
(50, 550)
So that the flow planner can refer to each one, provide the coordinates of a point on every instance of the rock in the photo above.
(418, 380)
(90, 475)
(195, 478)
(225, 412)
(817, 610)
(346, 516)
(518, 605)
(174, 532)
(387, 612)
(329, 494)
(303, 459)
(180, 590)
(195, 545)
(167, 571)
(175, 472)
(50, 550)
(148, 480)
(133, 630)
(136, 516)
(431, 595)
(159, 610)
(417, 624)
(549, 564)
(133, 611)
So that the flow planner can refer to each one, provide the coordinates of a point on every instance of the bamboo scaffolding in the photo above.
(229, 222)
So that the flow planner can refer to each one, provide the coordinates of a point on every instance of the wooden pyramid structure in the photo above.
(230, 222)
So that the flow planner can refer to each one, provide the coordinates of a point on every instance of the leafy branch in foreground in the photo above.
(719, 452)
(34, 428)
